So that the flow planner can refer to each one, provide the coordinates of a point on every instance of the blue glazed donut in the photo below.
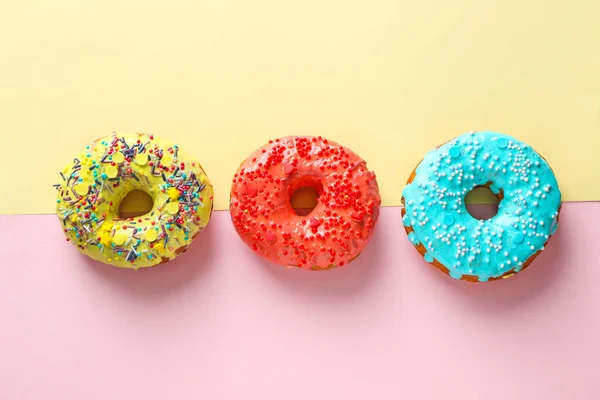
(447, 236)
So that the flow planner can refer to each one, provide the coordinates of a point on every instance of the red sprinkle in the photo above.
(269, 236)
(288, 168)
(251, 190)
(356, 216)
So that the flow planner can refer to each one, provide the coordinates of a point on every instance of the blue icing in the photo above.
(527, 215)
(554, 226)
(413, 238)
(454, 274)
(428, 257)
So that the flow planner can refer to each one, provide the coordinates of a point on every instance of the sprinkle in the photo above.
(119, 238)
(118, 157)
(448, 219)
(141, 159)
(501, 142)
(111, 172)
(81, 189)
(454, 151)
(518, 238)
(151, 235)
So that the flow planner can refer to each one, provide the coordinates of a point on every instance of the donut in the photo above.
(335, 232)
(94, 184)
(447, 236)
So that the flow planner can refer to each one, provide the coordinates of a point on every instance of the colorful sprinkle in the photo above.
(111, 172)
(141, 159)
(173, 208)
(81, 189)
(119, 238)
(118, 157)
(151, 235)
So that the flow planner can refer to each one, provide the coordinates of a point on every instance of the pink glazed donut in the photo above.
(339, 227)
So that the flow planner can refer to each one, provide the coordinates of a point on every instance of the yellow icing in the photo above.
(89, 195)
(167, 159)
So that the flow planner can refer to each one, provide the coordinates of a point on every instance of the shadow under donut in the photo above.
(528, 285)
(152, 282)
(340, 282)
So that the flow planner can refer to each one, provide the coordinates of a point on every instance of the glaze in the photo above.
(439, 225)
(339, 227)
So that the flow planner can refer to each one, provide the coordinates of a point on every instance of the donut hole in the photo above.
(482, 203)
(304, 196)
(135, 204)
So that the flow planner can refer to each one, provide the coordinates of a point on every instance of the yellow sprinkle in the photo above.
(119, 238)
(173, 207)
(158, 246)
(151, 235)
(167, 160)
(173, 193)
(81, 189)
(118, 157)
(141, 159)
(104, 239)
(111, 171)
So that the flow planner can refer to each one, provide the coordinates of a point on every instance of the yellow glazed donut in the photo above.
(93, 186)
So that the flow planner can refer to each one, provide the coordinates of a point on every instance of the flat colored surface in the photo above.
(388, 78)
(219, 323)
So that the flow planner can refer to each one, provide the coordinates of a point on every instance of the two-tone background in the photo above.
(389, 79)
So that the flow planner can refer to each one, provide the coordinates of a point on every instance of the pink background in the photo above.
(219, 323)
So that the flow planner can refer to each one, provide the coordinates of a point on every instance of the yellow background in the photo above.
(388, 78)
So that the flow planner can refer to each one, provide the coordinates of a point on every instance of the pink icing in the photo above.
(339, 227)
